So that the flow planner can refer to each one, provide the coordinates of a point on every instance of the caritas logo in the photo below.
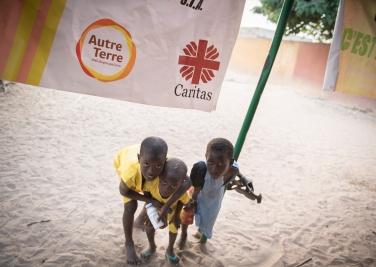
(199, 62)
(106, 51)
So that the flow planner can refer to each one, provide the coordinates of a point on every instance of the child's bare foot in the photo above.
(198, 234)
(182, 241)
(147, 254)
(132, 258)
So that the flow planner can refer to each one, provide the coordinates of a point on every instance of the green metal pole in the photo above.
(281, 26)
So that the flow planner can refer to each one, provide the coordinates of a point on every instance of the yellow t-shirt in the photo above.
(128, 169)
(152, 187)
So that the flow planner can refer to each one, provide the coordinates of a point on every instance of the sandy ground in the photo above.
(313, 160)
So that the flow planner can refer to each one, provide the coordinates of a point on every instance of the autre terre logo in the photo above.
(106, 52)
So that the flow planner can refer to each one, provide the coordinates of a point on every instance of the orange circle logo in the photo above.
(106, 52)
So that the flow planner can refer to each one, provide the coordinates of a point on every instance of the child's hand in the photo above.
(163, 216)
(158, 205)
(147, 221)
(191, 205)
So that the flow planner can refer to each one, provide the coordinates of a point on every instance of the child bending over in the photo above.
(209, 179)
(135, 165)
(161, 189)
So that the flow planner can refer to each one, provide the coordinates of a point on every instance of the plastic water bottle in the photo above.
(153, 215)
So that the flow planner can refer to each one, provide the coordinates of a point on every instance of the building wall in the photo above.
(300, 65)
(284, 64)
(311, 61)
(250, 53)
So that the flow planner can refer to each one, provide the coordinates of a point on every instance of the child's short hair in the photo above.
(154, 146)
(221, 144)
(176, 165)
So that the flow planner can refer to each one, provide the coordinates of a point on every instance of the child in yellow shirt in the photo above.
(161, 189)
(135, 165)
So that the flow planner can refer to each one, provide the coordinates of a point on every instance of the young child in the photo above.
(134, 165)
(174, 173)
(209, 179)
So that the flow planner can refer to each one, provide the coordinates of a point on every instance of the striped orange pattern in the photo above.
(32, 45)
(28, 28)
(10, 14)
(21, 38)
(46, 40)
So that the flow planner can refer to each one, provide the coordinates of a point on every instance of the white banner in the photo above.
(168, 53)
(351, 64)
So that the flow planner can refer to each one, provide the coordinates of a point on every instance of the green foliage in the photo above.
(313, 17)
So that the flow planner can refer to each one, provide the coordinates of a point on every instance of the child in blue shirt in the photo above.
(209, 179)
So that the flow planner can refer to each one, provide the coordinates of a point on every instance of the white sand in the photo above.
(313, 160)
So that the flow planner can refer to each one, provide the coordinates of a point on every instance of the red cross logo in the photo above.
(199, 62)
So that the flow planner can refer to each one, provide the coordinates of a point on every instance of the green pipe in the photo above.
(279, 32)
(281, 26)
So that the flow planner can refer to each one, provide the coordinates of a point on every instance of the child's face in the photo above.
(169, 183)
(218, 163)
(151, 166)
